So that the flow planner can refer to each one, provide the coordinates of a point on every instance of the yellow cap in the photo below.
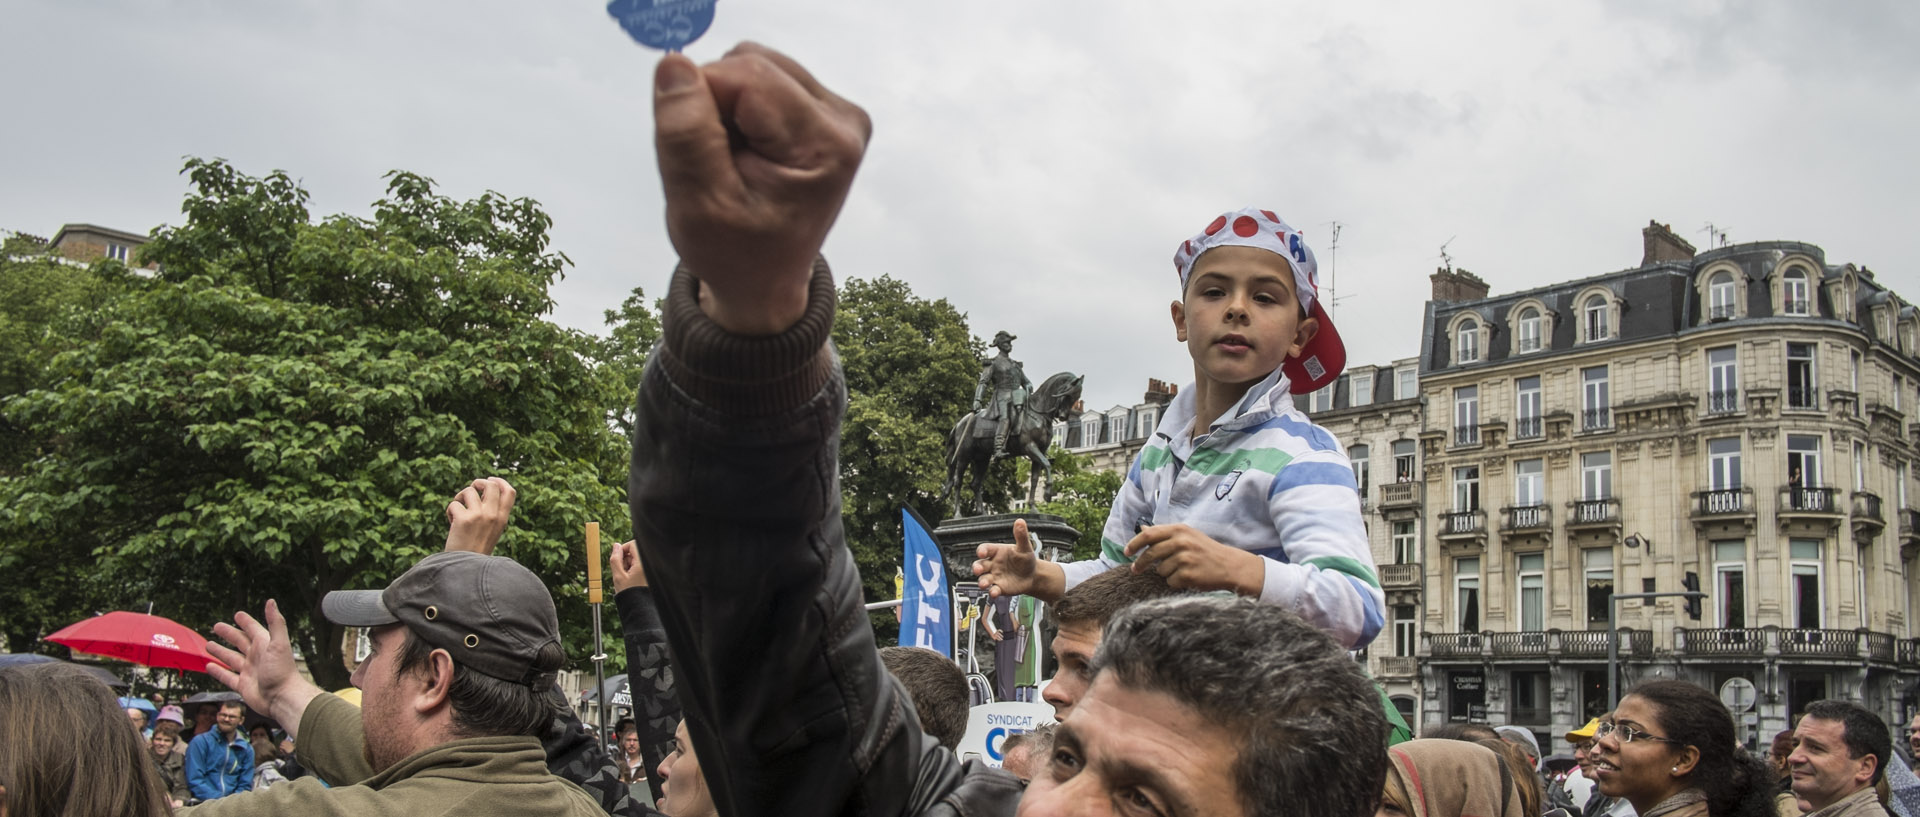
(1584, 733)
(350, 695)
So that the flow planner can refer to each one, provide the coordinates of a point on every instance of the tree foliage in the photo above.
(286, 406)
(911, 366)
(1082, 495)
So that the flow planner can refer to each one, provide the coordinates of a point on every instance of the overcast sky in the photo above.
(1035, 162)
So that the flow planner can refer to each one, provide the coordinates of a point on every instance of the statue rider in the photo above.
(1004, 382)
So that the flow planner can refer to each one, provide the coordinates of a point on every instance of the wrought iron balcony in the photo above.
(1723, 402)
(1463, 523)
(1868, 520)
(1723, 642)
(1466, 435)
(1802, 644)
(1723, 502)
(1803, 397)
(1838, 644)
(1454, 645)
(1805, 499)
(1528, 517)
(1534, 645)
(1593, 513)
(1596, 419)
(1529, 428)
(1721, 312)
(1593, 643)
(1797, 307)
(1866, 505)
(1529, 644)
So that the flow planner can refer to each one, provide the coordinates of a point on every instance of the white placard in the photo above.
(989, 725)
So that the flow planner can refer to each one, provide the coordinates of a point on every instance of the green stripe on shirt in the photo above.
(1214, 462)
(1343, 564)
(1114, 551)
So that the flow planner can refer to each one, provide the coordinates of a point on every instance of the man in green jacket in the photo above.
(465, 647)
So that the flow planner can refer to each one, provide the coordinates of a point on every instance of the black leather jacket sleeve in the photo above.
(735, 495)
(656, 709)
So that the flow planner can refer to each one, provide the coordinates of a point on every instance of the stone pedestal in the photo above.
(960, 538)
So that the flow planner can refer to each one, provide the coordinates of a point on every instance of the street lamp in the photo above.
(1613, 634)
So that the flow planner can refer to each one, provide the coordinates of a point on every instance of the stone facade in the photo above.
(1735, 418)
(1377, 414)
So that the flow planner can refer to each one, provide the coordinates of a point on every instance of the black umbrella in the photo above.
(21, 659)
(212, 697)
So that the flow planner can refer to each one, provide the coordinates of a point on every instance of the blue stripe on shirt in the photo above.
(1320, 438)
(1278, 554)
(1301, 474)
(1373, 620)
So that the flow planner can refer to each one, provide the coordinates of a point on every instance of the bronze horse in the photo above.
(971, 448)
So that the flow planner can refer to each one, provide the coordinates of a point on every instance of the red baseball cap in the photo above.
(1325, 356)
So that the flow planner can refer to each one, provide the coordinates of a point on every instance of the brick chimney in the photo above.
(1160, 392)
(1451, 285)
(1660, 244)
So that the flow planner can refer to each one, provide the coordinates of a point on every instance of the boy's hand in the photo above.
(1192, 560)
(478, 515)
(1014, 570)
(755, 158)
(624, 564)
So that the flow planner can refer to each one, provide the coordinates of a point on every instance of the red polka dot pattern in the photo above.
(1245, 226)
(1216, 225)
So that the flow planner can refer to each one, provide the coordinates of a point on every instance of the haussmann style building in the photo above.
(1735, 419)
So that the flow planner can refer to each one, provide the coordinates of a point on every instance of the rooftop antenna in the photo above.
(1716, 236)
(1333, 271)
(1446, 259)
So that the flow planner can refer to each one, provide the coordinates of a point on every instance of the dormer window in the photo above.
(1527, 331)
(1795, 293)
(1720, 297)
(1467, 338)
(1595, 319)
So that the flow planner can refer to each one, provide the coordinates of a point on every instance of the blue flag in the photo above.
(928, 605)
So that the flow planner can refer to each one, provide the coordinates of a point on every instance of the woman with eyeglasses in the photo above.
(1670, 750)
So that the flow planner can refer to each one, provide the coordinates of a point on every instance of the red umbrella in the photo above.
(143, 639)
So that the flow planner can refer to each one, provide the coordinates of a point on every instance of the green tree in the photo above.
(1082, 495)
(46, 304)
(621, 356)
(911, 365)
(285, 407)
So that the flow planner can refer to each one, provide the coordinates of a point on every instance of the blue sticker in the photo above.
(668, 25)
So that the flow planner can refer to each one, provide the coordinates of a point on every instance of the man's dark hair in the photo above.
(1096, 600)
(1865, 733)
(234, 705)
(485, 706)
(937, 688)
(624, 725)
(1310, 725)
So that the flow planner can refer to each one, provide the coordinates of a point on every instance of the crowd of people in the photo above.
(1204, 664)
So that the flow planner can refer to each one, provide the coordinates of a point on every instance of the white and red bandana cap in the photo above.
(1324, 357)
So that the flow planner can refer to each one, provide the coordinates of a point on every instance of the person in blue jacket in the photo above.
(220, 760)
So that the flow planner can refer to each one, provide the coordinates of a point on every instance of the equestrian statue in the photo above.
(1010, 418)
